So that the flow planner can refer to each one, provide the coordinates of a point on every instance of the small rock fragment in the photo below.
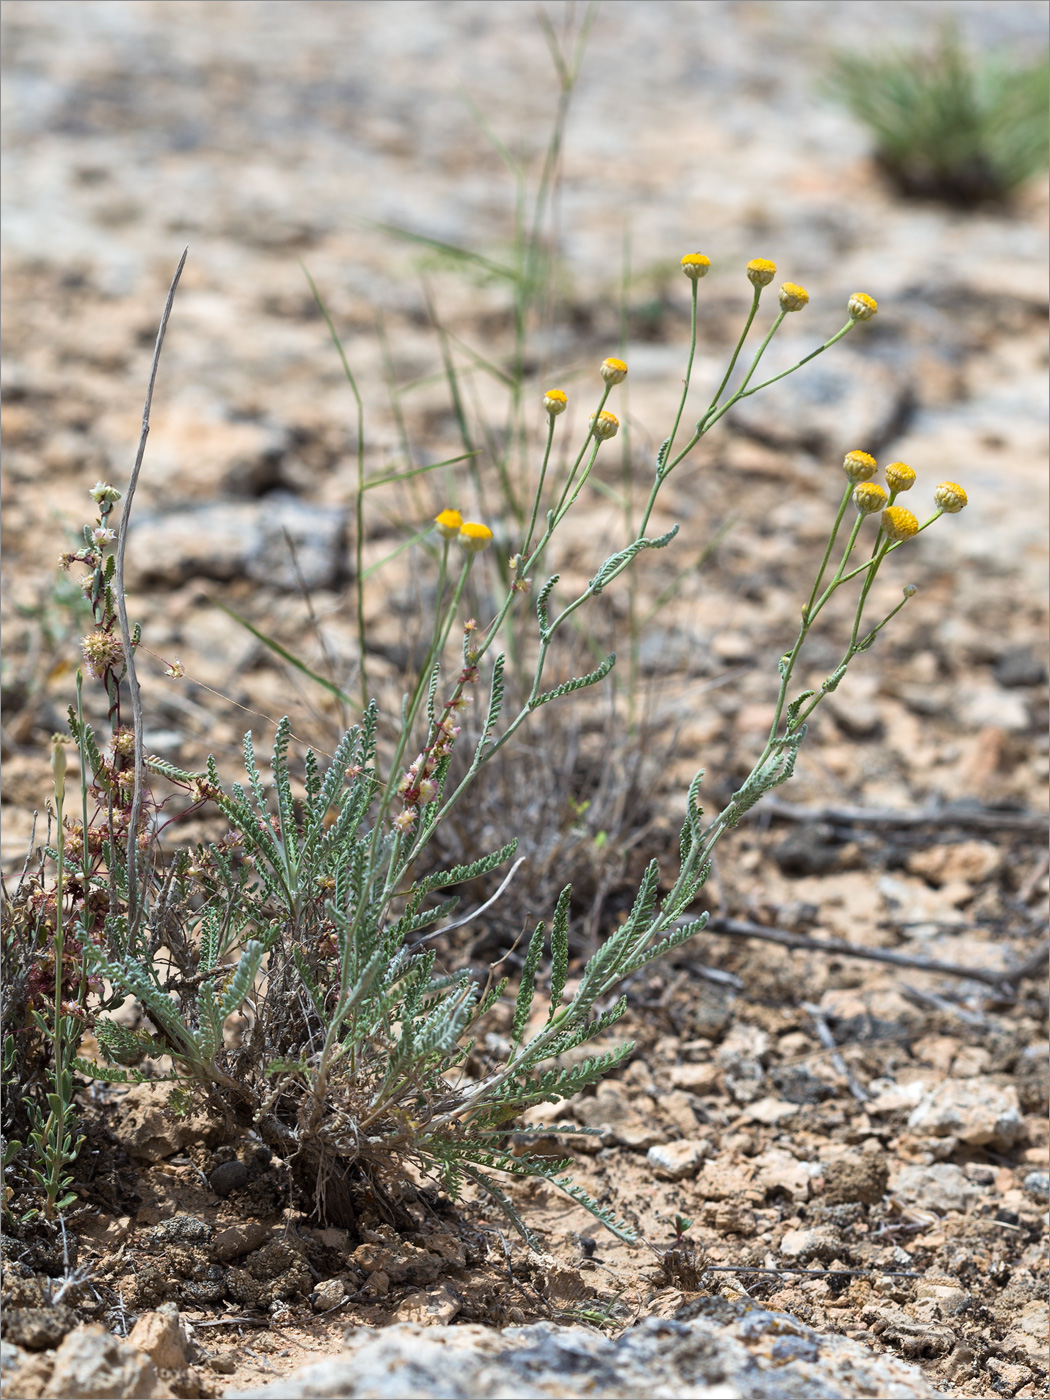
(818, 1242)
(674, 1161)
(1037, 1184)
(328, 1294)
(160, 1335)
(432, 1308)
(237, 1240)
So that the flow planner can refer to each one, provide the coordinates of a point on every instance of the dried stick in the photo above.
(979, 818)
(741, 928)
(134, 905)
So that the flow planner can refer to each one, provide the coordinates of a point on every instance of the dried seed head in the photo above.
(899, 477)
(555, 402)
(859, 466)
(604, 425)
(862, 307)
(474, 537)
(614, 371)
(695, 266)
(448, 523)
(101, 650)
(869, 497)
(899, 524)
(950, 497)
(760, 272)
(792, 296)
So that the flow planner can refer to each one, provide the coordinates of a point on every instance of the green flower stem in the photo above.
(807, 611)
(537, 497)
(689, 365)
(435, 652)
(736, 353)
(558, 513)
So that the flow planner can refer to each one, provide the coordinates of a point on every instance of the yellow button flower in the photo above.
(792, 296)
(474, 537)
(555, 402)
(604, 425)
(760, 272)
(950, 497)
(899, 524)
(614, 371)
(862, 307)
(695, 266)
(448, 524)
(859, 466)
(899, 477)
(869, 497)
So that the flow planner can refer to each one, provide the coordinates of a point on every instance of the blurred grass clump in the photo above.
(949, 125)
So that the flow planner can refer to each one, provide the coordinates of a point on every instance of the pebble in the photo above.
(160, 1335)
(1038, 1184)
(230, 1176)
(674, 1161)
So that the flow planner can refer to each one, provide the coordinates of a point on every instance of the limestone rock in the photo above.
(714, 1348)
(941, 1187)
(144, 1129)
(236, 539)
(433, 1308)
(976, 1111)
(860, 1177)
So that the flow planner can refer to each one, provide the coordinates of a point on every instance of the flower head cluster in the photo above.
(950, 498)
(474, 537)
(792, 296)
(861, 307)
(859, 466)
(448, 524)
(102, 651)
(869, 496)
(760, 272)
(614, 371)
(604, 425)
(104, 495)
(899, 477)
(899, 524)
(695, 266)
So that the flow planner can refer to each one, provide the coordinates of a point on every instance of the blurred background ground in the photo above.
(267, 134)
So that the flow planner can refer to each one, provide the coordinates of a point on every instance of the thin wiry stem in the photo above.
(134, 903)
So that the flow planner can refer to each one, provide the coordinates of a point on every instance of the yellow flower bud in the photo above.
(614, 371)
(862, 307)
(474, 537)
(869, 497)
(604, 425)
(898, 523)
(950, 498)
(695, 266)
(555, 402)
(760, 272)
(792, 296)
(859, 466)
(448, 524)
(899, 477)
